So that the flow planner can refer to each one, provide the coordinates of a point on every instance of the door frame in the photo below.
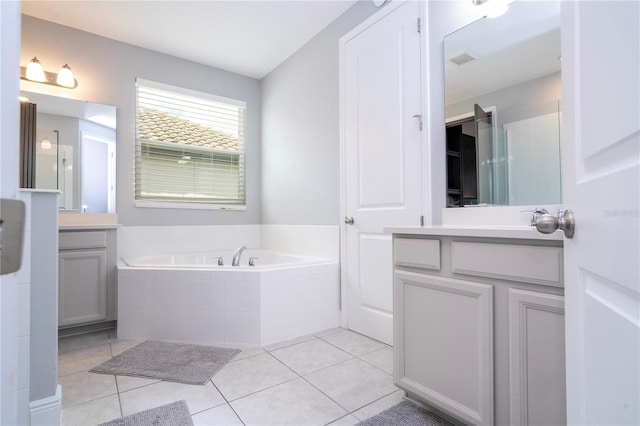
(377, 16)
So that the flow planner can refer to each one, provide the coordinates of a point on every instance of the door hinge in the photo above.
(421, 220)
(419, 25)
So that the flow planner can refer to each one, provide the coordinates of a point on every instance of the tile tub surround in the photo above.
(227, 307)
(311, 380)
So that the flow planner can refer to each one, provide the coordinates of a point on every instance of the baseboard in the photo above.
(47, 411)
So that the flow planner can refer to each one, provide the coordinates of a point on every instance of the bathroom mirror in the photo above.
(75, 143)
(502, 108)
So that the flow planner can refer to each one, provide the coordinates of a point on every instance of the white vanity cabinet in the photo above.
(479, 327)
(87, 278)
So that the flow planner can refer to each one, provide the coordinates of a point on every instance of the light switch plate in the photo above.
(12, 213)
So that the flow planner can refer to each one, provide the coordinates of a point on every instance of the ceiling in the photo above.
(245, 37)
(522, 45)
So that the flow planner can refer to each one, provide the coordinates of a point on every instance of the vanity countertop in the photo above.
(517, 232)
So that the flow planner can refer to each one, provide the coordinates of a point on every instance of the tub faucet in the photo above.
(236, 256)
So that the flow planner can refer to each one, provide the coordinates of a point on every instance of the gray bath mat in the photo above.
(174, 414)
(406, 414)
(175, 362)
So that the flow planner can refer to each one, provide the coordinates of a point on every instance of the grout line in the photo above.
(227, 402)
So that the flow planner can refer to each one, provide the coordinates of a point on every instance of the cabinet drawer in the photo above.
(417, 253)
(531, 264)
(81, 240)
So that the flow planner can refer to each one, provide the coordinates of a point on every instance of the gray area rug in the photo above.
(405, 414)
(175, 362)
(174, 414)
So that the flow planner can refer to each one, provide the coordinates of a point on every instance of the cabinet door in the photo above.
(536, 358)
(444, 344)
(82, 287)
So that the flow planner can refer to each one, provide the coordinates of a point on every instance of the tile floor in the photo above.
(336, 377)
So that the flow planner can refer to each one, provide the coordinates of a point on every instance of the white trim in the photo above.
(189, 92)
(188, 205)
(47, 411)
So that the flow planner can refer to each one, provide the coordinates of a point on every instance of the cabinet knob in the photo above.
(348, 220)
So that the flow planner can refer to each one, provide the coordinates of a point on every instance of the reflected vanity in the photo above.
(74, 146)
(75, 152)
(502, 107)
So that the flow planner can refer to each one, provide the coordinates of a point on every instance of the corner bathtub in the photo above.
(188, 297)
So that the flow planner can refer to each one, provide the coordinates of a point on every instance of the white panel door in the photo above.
(381, 157)
(601, 177)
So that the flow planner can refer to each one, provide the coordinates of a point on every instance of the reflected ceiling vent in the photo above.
(462, 59)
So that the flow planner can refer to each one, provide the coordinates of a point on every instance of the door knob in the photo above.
(564, 220)
(348, 220)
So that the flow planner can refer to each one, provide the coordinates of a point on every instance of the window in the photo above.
(189, 147)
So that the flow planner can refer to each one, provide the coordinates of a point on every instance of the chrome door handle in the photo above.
(348, 220)
(564, 220)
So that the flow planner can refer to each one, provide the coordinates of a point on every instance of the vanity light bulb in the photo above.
(45, 144)
(65, 77)
(35, 72)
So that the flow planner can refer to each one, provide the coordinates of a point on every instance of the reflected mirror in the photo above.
(502, 108)
(75, 144)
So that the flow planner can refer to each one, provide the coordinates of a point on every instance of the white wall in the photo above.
(13, 405)
(106, 72)
(300, 130)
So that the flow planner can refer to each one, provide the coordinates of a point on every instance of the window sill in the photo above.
(188, 206)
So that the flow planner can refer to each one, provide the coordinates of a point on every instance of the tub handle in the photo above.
(220, 261)
(252, 261)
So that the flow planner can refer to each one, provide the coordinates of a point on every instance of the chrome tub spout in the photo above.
(236, 256)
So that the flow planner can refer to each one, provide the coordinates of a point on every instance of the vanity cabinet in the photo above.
(479, 327)
(87, 279)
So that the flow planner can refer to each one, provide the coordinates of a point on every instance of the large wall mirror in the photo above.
(75, 143)
(502, 108)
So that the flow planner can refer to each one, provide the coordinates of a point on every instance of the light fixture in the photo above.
(45, 143)
(65, 77)
(35, 72)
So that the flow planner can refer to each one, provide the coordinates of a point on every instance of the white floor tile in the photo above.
(240, 378)
(126, 383)
(354, 343)
(292, 403)
(82, 359)
(307, 357)
(84, 387)
(353, 384)
(119, 346)
(94, 412)
(289, 342)
(329, 332)
(222, 415)
(198, 397)
(247, 353)
(382, 358)
(347, 420)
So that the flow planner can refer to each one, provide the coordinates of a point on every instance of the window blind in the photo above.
(189, 146)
